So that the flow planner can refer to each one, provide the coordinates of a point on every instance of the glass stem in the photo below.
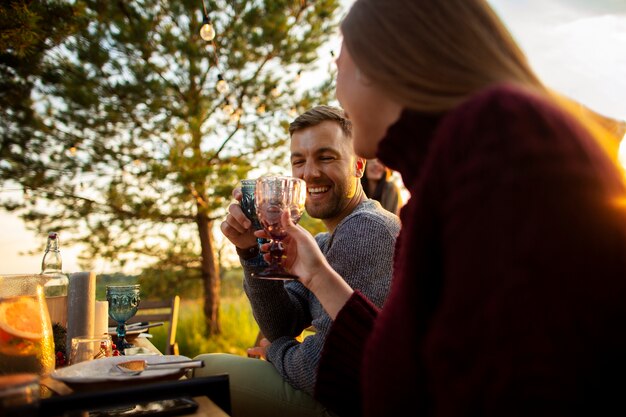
(276, 253)
(121, 331)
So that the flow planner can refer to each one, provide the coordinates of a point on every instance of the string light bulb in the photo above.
(73, 150)
(207, 32)
(234, 118)
(228, 109)
(222, 85)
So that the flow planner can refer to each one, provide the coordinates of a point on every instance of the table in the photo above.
(142, 342)
(206, 406)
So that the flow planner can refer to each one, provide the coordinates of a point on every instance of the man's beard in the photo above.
(323, 211)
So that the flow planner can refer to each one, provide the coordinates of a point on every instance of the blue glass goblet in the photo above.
(248, 206)
(123, 303)
(247, 202)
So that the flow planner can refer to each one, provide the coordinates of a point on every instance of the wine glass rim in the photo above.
(123, 286)
(279, 177)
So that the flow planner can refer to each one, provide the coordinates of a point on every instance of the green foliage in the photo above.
(314, 226)
(28, 31)
(239, 329)
(132, 152)
(113, 279)
(133, 92)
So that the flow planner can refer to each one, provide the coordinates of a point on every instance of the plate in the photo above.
(101, 372)
(129, 332)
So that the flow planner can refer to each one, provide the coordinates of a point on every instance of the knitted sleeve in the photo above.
(278, 311)
(339, 371)
(361, 251)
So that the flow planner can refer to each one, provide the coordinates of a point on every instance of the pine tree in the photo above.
(140, 149)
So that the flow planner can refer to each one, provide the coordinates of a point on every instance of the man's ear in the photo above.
(360, 167)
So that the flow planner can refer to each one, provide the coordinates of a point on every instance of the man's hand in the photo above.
(259, 352)
(237, 228)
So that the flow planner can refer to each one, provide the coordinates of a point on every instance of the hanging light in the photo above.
(234, 118)
(73, 150)
(228, 109)
(222, 85)
(207, 32)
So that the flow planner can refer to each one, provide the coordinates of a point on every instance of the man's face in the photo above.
(323, 157)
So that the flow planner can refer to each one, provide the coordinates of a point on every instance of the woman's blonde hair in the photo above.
(430, 55)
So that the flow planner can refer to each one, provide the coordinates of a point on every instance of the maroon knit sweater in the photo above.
(509, 291)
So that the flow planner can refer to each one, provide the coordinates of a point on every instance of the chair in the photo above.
(159, 310)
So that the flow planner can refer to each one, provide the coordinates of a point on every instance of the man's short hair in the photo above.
(319, 114)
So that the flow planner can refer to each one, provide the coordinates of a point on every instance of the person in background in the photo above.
(359, 244)
(509, 289)
(377, 184)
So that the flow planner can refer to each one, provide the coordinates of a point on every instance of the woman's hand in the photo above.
(305, 259)
(302, 256)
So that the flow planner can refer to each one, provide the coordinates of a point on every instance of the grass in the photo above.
(239, 329)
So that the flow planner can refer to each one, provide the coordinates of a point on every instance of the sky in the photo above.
(577, 47)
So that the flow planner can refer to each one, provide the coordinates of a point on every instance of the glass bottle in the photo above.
(57, 283)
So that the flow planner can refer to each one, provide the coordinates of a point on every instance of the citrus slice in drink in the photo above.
(20, 318)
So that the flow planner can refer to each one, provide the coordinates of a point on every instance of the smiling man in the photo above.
(359, 245)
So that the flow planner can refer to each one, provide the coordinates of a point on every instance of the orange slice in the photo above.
(20, 317)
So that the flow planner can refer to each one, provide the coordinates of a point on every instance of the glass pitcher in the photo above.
(26, 341)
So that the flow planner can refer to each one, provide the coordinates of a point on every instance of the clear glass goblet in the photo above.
(123, 303)
(273, 196)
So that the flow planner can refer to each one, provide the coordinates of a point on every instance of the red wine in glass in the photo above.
(273, 196)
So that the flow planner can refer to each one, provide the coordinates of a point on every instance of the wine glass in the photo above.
(247, 202)
(123, 302)
(273, 196)
(248, 206)
(26, 339)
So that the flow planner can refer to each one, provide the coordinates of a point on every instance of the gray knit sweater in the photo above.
(361, 251)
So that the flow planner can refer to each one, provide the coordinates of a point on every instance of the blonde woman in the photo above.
(509, 288)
